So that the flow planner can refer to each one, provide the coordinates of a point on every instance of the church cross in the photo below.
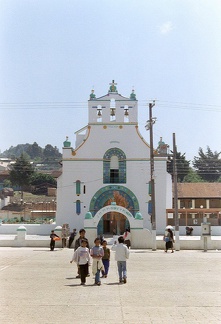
(113, 87)
(112, 83)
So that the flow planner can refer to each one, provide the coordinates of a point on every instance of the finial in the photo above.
(113, 87)
(92, 95)
(133, 95)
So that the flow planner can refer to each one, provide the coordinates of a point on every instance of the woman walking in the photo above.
(169, 240)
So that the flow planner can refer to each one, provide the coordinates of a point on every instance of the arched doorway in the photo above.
(113, 221)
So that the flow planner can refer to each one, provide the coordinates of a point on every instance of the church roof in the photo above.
(111, 95)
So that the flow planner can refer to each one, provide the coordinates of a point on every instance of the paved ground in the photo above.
(39, 286)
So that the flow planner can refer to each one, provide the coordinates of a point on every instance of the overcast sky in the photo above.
(53, 52)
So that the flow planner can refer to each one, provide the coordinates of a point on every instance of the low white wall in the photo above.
(28, 242)
(32, 229)
(140, 238)
(45, 229)
(142, 241)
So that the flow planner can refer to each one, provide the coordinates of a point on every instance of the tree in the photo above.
(7, 183)
(182, 165)
(192, 176)
(51, 152)
(41, 178)
(21, 173)
(208, 165)
(34, 151)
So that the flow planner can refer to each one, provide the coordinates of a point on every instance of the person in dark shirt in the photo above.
(52, 237)
(72, 237)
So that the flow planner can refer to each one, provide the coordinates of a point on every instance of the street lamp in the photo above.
(149, 126)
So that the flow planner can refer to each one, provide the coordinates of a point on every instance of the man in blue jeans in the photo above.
(121, 256)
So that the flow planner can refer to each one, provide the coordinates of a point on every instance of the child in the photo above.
(127, 238)
(82, 257)
(78, 243)
(52, 237)
(97, 253)
(121, 255)
(105, 259)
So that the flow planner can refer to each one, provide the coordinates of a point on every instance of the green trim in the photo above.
(105, 193)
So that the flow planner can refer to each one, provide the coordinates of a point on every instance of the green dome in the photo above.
(138, 216)
(133, 96)
(88, 215)
(92, 95)
(67, 143)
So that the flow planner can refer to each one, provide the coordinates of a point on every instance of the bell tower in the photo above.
(112, 108)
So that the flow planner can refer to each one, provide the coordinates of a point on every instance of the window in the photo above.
(114, 166)
(114, 176)
(78, 207)
(78, 187)
(112, 110)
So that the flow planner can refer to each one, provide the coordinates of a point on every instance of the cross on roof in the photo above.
(113, 87)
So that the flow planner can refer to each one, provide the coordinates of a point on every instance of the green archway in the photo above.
(99, 200)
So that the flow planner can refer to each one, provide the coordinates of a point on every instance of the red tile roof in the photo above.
(199, 190)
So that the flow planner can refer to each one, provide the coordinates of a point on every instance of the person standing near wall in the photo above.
(72, 237)
(53, 237)
(169, 240)
(65, 232)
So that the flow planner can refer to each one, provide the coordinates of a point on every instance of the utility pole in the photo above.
(149, 126)
(175, 198)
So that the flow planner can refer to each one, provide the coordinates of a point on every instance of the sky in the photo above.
(53, 52)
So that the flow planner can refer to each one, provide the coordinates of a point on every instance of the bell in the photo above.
(112, 112)
(126, 113)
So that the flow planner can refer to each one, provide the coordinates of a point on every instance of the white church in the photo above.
(104, 185)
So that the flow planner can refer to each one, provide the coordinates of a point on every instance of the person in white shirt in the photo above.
(82, 257)
(121, 256)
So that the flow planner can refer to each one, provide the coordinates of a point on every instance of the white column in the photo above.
(207, 203)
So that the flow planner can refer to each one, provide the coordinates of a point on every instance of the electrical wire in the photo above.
(83, 104)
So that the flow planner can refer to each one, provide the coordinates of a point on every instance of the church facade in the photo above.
(107, 172)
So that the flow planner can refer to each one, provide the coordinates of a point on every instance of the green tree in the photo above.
(192, 176)
(40, 178)
(7, 183)
(21, 173)
(182, 165)
(15, 151)
(34, 151)
(51, 152)
(208, 165)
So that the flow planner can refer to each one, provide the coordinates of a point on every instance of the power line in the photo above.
(83, 104)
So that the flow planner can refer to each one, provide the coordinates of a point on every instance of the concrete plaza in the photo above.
(39, 286)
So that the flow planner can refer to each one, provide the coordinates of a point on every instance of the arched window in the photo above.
(78, 187)
(78, 207)
(114, 166)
